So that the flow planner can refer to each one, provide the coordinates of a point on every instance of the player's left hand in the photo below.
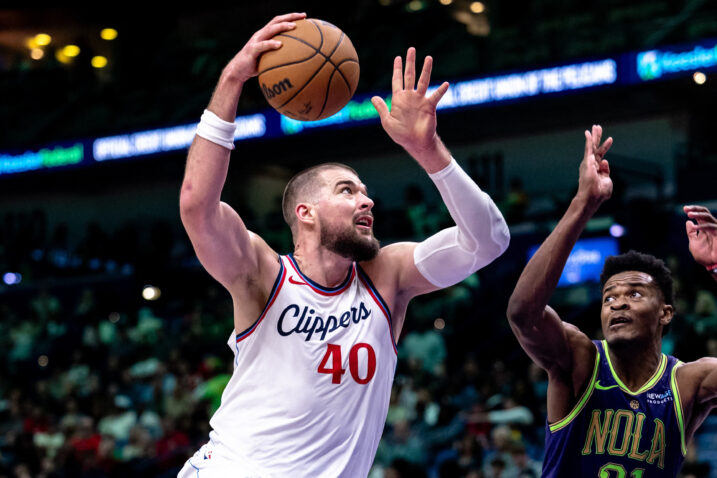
(411, 121)
(702, 235)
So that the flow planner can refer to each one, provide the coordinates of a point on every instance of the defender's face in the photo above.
(633, 308)
(345, 217)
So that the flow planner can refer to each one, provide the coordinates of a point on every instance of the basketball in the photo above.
(313, 74)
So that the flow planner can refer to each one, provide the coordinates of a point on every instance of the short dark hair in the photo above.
(303, 186)
(637, 261)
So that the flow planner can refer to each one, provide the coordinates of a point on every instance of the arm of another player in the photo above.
(224, 246)
(697, 380)
(481, 233)
(545, 338)
(703, 237)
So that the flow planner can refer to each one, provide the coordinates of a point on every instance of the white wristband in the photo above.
(214, 129)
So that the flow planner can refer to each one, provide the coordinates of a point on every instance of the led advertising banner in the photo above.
(629, 68)
(47, 157)
(665, 63)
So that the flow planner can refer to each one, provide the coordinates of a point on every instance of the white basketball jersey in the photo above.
(312, 379)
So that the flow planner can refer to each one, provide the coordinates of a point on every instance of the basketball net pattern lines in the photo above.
(313, 75)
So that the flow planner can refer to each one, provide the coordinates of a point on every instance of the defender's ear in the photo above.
(668, 312)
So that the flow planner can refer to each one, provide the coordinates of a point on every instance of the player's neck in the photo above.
(634, 363)
(322, 266)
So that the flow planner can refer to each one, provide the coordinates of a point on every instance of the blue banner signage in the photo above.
(585, 261)
(656, 64)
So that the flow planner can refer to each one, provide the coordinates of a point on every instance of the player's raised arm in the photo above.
(536, 326)
(224, 246)
(480, 234)
(697, 380)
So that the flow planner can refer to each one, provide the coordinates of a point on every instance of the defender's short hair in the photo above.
(304, 186)
(637, 261)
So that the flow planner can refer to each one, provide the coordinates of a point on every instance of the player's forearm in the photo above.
(225, 98)
(208, 158)
(481, 226)
(480, 235)
(540, 276)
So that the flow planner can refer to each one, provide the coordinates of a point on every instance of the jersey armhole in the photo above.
(678, 406)
(565, 421)
(278, 282)
(373, 292)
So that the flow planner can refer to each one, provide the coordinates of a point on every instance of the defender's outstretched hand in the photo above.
(411, 121)
(595, 184)
(244, 63)
(702, 235)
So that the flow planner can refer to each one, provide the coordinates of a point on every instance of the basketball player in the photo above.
(617, 408)
(315, 331)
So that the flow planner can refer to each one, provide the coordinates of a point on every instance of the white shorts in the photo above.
(211, 461)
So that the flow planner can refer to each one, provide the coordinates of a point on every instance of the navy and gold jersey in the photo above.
(614, 432)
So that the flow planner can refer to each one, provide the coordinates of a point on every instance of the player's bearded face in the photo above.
(346, 241)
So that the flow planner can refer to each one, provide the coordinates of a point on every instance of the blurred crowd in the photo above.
(100, 382)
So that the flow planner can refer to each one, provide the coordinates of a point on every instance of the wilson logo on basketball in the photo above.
(277, 89)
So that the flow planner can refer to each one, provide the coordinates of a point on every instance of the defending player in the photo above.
(315, 331)
(617, 408)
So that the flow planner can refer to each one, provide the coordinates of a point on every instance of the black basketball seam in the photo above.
(328, 88)
(336, 67)
(327, 59)
(288, 64)
(346, 60)
(316, 50)
(321, 34)
(303, 86)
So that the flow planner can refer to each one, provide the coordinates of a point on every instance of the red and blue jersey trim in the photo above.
(272, 297)
(319, 289)
(373, 292)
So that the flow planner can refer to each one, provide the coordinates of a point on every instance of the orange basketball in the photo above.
(314, 73)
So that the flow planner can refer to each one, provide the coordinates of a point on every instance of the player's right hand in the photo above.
(595, 184)
(702, 235)
(244, 64)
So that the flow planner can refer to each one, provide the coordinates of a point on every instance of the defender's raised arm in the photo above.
(538, 328)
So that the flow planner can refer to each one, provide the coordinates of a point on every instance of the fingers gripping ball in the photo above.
(313, 74)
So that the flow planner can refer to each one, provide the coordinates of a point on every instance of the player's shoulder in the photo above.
(398, 248)
(697, 381)
(390, 255)
(696, 370)
(265, 265)
(582, 347)
(577, 338)
(263, 250)
(393, 270)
